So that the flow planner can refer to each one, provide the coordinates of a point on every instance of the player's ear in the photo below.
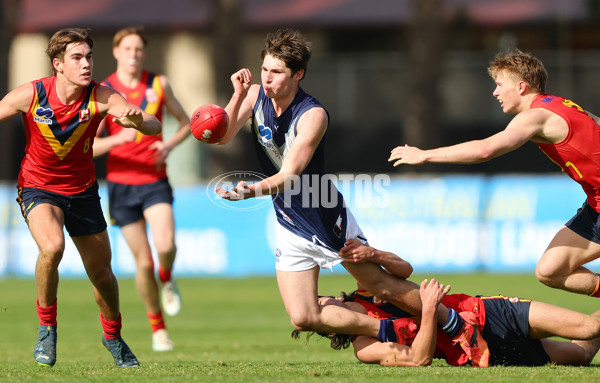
(57, 65)
(299, 74)
(523, 86)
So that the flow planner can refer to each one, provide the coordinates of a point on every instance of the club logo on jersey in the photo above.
(43, 115)
(84, 115)
(265, 132)
(151, 95)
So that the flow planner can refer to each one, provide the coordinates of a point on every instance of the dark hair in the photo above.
(289, 46)
(337, 341)
(60, 40)
(522, 67)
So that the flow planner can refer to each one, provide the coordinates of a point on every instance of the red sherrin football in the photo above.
(209, 123)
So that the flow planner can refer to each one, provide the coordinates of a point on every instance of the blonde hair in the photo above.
(522, 67)
(122, 33)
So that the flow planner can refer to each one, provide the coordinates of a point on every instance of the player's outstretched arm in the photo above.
(125, 114)
(420, 353)
(521, 129)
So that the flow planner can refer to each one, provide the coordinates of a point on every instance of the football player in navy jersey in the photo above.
(289, 130)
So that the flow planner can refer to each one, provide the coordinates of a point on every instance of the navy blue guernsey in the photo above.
(313, 208)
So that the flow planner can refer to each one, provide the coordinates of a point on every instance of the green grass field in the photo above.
(237, 330)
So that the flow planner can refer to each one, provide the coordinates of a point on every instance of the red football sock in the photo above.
(156, 321)
(47, 315)
(112, 328)
(164, 275)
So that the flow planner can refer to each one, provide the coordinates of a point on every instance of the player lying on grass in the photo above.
(515, 329)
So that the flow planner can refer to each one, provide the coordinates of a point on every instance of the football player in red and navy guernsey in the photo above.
(57, 183)
(568, 135)
(139, 192)
(514, 329)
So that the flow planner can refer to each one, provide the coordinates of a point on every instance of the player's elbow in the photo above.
(485, 153)
(365, 357)
(395, 360)
(423, 361)
(151, 128)
(416, 361)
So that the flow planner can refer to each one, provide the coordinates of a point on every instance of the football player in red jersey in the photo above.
(139, 192)
(514, 329)
(57, 181)
(568, 135)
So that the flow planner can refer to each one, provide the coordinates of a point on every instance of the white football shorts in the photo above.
(295, 253)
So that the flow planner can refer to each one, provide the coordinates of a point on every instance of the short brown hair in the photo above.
(60, 40)
(122, 33)
(523, 66)
(289, 46)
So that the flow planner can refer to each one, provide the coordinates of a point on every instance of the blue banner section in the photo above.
(451, 224)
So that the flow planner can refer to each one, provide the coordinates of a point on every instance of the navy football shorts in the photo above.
(586, 223)
(126, 203)
(506, 332)
(83, 213)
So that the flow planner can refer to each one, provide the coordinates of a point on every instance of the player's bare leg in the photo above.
(573, 353)
(137, 238)
(46, 226)
(96, 256)
(162, 223)
(135, 235)
(298, 290)
(546, 320)
(561, 264)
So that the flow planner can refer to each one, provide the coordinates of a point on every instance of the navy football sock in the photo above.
(453, 324)
(386, 331)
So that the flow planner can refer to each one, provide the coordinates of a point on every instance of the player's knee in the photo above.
(101, 277)
(165, 247)
(380, 290)
(304, 322)
(591, 327)
(51, 253)
(52, 249)
(145, 265)
(546, 275)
